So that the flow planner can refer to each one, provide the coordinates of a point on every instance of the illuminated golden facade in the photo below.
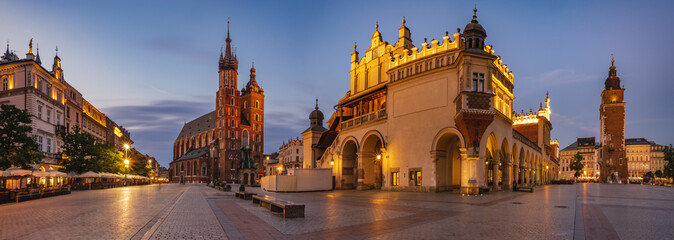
(432, 118)
(55, 106)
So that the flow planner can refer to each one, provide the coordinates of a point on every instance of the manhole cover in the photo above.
(561, 206)
(516, 203)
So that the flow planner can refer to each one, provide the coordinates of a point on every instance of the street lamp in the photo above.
(126, 166)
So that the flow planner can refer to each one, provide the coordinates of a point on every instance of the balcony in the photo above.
(360, 120)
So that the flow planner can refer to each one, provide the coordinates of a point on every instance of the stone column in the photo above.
(360, 172)
(495, 168)
(439, 173)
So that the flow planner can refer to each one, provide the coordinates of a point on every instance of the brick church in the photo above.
(226, 144)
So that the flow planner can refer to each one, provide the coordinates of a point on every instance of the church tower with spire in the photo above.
(252, 120)
(228, 114)
(613, 164)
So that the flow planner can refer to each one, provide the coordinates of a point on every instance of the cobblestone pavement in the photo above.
(579, 211)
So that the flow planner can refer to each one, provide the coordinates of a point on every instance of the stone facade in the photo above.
(437, 117)
(291, 155)
(54, 104)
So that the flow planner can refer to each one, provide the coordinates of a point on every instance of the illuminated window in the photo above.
(395, 179)
(415, 177)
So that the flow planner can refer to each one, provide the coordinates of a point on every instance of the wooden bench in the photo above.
(244, 195)
(525, 189)
(288, 209)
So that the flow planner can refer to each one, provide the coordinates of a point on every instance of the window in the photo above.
(48, 145)
(39, 111)
(39, 143)
(58, 118)
(257, 104)
(415, 177)
(5, 83)
(395, 178)
(67, 112)
(77, 117)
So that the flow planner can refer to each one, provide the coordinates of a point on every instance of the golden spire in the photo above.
(404, 21)
(376, 26)
(355, 47)
(30, 46)
(611, 59)
(316, 103)
(475, 13)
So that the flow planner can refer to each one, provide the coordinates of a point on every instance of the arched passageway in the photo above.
(370, 161)
(349, 165)
(447, 156)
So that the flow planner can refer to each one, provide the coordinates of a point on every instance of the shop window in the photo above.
(415, 177)
(395, 178)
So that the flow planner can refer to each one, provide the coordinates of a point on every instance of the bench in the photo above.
(525, 189)
(288, 209)
(244, 195)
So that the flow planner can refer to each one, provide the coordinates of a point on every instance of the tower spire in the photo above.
(229, 61)
(316, 103)
(37, 57)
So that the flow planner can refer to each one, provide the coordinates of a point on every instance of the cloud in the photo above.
(154, 127)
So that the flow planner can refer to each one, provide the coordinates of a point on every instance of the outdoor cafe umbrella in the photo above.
(73, 175)
(90, 174)
(15, 172)
(40, 174)
(55, 173)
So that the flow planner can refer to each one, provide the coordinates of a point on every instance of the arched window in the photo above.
(203, 170)
(5, 83)
(232, 101)
(244, 138)
(257, 104)
(182, 167)
(188, 172)
(195, 169)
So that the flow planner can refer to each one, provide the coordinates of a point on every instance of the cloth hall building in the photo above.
(435, 116)
(226, 144)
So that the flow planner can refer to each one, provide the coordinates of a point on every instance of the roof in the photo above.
(583, 142)
(573, 146)
(203, 123)
(196, 153)
(636, 141)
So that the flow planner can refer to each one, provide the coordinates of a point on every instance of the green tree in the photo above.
(138, 164)
(576, 164)
(81, 151)
(17, 146)
(110, 159)
(658, 174)
(669, 158)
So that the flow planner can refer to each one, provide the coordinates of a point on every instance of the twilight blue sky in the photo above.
(152, 65)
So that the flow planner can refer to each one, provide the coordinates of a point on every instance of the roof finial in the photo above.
(376, 26)
(253, 64)
(57, 50)
(547, 94)
(404, 21)
(475, 13)
(316, 103)
(30, 46)
(355, 47)
(227, 27)
(611, 59)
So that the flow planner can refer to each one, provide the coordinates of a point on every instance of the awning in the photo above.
(90, 174)
(16, 172)
(55, 173)
(40, 174)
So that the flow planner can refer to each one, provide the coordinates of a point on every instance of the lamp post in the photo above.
(126, 166)
(149, 162)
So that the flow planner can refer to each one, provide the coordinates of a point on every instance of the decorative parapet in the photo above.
(409, 55)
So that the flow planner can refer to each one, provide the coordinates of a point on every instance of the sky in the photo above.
(152, 65)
